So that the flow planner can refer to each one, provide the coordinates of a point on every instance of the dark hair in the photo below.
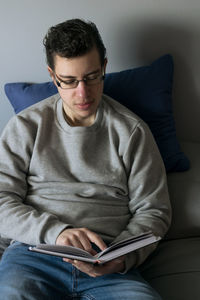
(73, 38)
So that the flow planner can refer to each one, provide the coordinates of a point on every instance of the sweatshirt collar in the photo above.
(77, 129)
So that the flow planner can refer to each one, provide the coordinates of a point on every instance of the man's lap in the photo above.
(29, 275)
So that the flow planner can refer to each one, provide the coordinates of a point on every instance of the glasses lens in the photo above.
(94, 80)
(68, 85)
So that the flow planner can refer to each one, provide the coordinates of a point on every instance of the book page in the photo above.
(114, 253)
(65, 250)
(124, 242)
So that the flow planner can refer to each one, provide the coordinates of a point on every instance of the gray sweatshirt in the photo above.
(108, 177)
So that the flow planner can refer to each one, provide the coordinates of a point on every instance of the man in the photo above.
(78, 169)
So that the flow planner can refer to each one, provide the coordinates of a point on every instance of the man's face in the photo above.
(80, 104)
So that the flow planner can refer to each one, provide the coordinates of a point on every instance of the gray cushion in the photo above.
(184, 190)
(174, 269)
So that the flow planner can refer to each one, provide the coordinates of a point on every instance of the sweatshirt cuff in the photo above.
(53, 232)
(130, 261)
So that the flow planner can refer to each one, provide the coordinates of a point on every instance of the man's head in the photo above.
(73, 38)
(76, 62)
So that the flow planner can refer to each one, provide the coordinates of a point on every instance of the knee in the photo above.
(18, 284)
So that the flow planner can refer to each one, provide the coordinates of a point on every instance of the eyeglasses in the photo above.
(91, 79)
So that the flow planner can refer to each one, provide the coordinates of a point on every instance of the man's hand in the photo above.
(80, 238)
(113, 266)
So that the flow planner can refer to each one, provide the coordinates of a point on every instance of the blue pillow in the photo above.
(147, 91)
(22, 94)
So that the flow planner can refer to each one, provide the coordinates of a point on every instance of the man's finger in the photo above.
(96, 239)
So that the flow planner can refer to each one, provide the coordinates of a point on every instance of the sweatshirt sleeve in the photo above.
(20, 221)
(148, 193)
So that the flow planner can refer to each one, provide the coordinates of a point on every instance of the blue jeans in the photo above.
(29, 275)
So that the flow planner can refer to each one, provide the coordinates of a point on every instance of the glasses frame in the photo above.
(76, 81)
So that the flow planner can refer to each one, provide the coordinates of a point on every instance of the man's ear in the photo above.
(104, 66)
(51, 73)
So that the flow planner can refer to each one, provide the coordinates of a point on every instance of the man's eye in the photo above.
(92, 77)
(68, 82)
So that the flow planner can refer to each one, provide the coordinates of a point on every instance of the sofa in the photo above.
(173, 269)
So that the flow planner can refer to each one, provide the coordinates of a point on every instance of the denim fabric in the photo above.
(31, 276)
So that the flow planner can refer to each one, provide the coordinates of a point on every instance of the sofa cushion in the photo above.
(173, 269)
(184, 190)
(147, 91)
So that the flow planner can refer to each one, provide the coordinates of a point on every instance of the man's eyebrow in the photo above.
(73, 77)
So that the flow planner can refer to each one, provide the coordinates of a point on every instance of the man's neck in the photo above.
(79, 122)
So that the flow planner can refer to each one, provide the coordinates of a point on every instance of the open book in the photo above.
(113, 251)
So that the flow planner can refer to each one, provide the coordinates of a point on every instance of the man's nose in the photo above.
(82, 90)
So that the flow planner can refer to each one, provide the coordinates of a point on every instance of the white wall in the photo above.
(135, 32)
